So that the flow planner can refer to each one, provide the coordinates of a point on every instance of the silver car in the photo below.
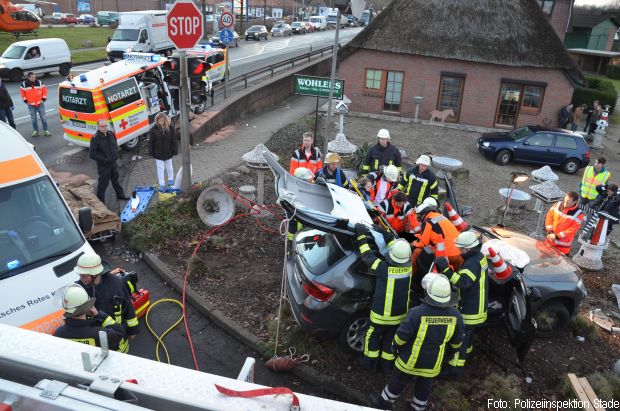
(281, 29)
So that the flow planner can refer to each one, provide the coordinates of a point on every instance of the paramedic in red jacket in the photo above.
(34, 94)
(563, 222)
(308, 155)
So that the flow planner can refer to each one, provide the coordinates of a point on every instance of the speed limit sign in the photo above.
(227, 19)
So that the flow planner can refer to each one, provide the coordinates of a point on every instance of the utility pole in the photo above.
(332, 80)
(186, 181)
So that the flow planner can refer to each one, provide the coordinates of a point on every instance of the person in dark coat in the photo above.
(6, 105)
(609, 202)
(565, 114)
(589, 111)
(384, 153)
(104, 150)
(164, 146)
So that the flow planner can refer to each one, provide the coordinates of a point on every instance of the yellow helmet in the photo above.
(332, 158)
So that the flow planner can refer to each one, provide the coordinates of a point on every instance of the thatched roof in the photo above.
(504, 32)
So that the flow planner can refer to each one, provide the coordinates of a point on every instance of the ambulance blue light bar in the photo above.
(141, 57)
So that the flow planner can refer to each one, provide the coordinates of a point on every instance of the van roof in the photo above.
(18, 161)
(144, 12)
(39, 42)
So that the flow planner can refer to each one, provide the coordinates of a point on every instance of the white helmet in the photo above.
(467, 239)
(383, 133)
(75, 300)
(424, 159)
(439, 292)
(391, 173)
(89, 264)
(400, 251)
(428, 204)
(303, 173)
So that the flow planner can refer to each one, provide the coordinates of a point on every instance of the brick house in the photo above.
(559, 14)
(495, 63)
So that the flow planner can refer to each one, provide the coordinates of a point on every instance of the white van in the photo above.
(39, 56)
(140, 31)
(318, 22)
(40, 240)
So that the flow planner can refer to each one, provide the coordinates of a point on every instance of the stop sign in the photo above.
(185, 24)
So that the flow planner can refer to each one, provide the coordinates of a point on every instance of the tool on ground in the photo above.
(287, 363)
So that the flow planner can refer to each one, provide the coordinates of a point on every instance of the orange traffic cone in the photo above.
(599, 235)
(501, 269)
(456, 219)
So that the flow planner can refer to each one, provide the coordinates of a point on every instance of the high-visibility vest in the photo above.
(564, 224)
(299, 159)
(590, 180)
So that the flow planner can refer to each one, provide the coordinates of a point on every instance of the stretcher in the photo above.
(138, 202)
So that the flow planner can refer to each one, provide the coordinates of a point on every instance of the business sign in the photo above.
(83, 6)
(318, 86)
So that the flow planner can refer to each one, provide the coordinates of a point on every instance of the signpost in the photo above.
(185, 28)
(319, 87)
(227, 20)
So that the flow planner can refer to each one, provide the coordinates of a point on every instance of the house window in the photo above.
(517, 98)
(393, 91)
(374, 79)
(546, 6)
(450, 95)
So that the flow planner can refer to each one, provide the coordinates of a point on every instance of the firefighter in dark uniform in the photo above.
(83, 321)
(331, 172)
(111, 294)
(472, 282)
(420, 343)
(384, 153)
(391, 297)
(419, 182)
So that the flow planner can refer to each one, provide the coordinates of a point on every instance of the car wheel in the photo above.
(353, 332)
(503, 157)
(131, 144)
(570, 166)
(64, 69)
(200, 108)
(246, 39)
(551, 317)
(16, 75)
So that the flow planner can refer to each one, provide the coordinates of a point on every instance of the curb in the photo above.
(304, 372)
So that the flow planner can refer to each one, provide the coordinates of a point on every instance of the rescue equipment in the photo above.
(500, 268)
(140, 199)
(287, 363)
(456, 219)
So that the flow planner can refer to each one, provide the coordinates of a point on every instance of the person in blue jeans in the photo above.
(34, 94)
(6, 106)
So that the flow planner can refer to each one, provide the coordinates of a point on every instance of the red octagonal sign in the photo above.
(185, 24)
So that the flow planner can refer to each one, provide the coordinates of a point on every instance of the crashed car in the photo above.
(330, 290)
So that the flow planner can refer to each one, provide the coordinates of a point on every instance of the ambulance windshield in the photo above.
(126, 35)
(35, 227)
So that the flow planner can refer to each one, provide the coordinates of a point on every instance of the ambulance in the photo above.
(216, 57)
(40, 240)
(127, 94)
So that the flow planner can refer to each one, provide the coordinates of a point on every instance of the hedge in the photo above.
(613, 71)
(597, 89)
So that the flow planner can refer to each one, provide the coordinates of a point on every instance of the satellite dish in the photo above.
(357, 7)
(215, 206)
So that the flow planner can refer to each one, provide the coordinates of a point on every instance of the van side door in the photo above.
(33, 60)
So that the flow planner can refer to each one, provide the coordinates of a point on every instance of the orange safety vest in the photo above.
(313, 162)
(564, 224)
(33, 93)
(590, 180)
(438, 229)
(396, 217)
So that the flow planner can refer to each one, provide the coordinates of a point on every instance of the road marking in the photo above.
(73, 151)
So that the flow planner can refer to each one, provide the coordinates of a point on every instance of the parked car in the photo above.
(86, 19)
(57, 17)
(215, 40)
(330, 291)
(256, 33)
(538, 145)
(105, 18)
(352, 21)
(298, 27)
(69, 18)
(281, 29)
(309, 27)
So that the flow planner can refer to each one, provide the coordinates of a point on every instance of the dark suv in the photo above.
(538, 145)
(330, 291)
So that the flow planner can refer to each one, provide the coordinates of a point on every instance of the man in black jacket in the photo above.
(383, 153)
(104, 150)
(419, 182)
(609, 202)
(6, 105)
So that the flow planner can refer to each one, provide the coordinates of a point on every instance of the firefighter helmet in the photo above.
(424, 159)
(383, 133)
(428, 204)
(439, 292)
(89, 264)
(391, 173)
(467, 239)
(400, 251)
(75, 300)
(332, 158)
(303, 173)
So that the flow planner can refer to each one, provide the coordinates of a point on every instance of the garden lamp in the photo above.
(516, 177)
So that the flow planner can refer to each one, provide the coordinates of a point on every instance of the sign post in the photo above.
(333, 76)
(185, 25)
(227, 20)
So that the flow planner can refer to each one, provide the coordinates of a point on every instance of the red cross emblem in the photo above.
(123, 124)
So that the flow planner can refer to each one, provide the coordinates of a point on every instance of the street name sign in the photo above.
(318, 86)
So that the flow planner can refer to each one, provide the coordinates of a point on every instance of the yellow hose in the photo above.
(160, 337)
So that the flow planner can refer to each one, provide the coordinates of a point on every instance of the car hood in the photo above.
(497, 136)
(546, 263)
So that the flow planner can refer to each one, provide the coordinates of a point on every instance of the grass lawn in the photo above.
(615, 117)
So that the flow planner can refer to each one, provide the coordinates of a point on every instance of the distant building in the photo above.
(495, 63)
(590, 29)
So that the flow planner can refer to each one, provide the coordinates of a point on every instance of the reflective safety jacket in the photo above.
(564, 223)
(396, 217)
(378, 156)
(591, 179)
(33, 92)
(336, 177)
(313, 162)
(381, 187)
(422, 337)
(419, 186)
(87, 331)
(472, 281)
(390, 301)
(436, 229)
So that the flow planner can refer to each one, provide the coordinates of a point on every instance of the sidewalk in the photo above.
(223, 149)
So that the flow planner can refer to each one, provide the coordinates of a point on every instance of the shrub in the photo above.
(613, 71)
(597, 89)
(358, 157)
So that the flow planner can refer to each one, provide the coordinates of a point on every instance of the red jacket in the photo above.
(33, 93)
(313, 162)
(564, 223)
(396, 217)
(436, 228)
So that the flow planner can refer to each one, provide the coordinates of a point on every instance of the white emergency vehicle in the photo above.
(40, 241)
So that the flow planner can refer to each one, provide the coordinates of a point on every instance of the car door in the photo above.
(33, 60)
(520, 326)
(566, 147)
(536, 148)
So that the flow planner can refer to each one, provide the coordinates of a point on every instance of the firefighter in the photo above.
(308, 155)
(111, 294)
(391, 297)
(419, 182)
(563, 221)
(593, 176)
(472, 282)
(331, 172)
(83, 321)
(384, 153)
(397, 212)
(420, 343)
(385, 182)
